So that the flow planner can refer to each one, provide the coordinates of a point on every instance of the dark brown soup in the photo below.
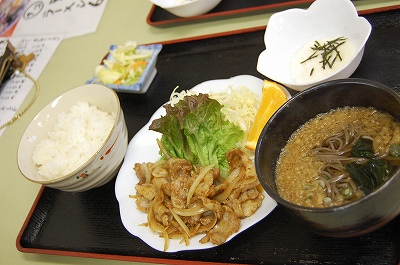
(338, 157)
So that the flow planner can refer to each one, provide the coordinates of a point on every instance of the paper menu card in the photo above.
(14, 91)
(48, 17)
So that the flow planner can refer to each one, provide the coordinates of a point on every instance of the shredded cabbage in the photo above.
(125, 65)
(240, 106)
(177, 96)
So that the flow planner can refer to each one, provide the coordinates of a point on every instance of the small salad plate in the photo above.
(144, 82)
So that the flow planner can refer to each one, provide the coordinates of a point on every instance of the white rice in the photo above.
(76, 136)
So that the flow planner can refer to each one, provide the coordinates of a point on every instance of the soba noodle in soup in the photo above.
(338, 157)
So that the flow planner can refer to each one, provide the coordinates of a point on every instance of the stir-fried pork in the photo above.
(182, 200)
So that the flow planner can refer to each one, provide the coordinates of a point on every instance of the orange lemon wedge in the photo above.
(273, 96)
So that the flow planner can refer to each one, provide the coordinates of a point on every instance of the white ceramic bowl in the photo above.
(188, 8)
(288, 31)
(102, 165)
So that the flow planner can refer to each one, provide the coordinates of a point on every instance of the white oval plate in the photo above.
(143, 148)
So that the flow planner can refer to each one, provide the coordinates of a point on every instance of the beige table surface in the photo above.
(72, 64)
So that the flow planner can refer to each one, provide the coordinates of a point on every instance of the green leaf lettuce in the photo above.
(195, 129)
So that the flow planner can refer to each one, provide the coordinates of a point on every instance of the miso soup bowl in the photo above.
(361, 216)
(102, 165)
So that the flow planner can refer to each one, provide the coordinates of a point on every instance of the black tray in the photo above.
(88, 224)
(160, 17)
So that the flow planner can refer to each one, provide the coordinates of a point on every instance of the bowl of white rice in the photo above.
(76, 142)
